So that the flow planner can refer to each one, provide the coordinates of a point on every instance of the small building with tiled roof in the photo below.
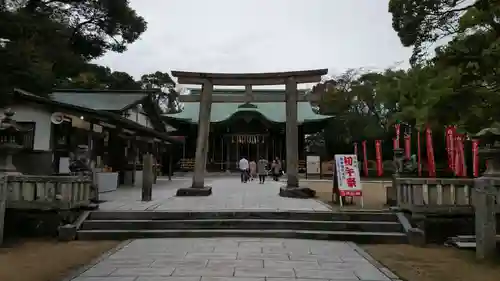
(118, 127)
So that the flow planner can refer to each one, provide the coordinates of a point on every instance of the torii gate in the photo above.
(209, 80)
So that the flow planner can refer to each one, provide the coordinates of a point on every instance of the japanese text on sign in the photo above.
(348, 175)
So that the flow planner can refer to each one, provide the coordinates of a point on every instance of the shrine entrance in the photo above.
(250, 103)
(249, 146)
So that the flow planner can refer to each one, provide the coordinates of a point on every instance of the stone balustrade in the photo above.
(47, 192)
(431, 195)
(434, 194)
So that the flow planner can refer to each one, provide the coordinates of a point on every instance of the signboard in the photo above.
(348, 175)
(313, 165)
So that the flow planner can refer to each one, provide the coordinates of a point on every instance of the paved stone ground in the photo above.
(236, 259)
(228, 194)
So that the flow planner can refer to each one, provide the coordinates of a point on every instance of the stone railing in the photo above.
(47, 192)
(433, 194)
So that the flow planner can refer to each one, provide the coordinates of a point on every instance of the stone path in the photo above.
(236, 259)
(228, 194)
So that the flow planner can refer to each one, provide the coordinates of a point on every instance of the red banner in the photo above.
(418, 155)
(475, 158)
(459, 162)
(450, 147)
(430, 153)
(365, 159)
(378, 155)
(407, 146)
(462, 155)
(356, 148)
(396, 142)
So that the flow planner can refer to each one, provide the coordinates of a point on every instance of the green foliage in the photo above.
(49, 42)
(458, 86)
(169, 100)
(424, 22)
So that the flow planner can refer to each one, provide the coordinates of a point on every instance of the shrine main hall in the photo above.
(251, 129)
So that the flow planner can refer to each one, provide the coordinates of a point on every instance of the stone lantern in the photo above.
(80, 160)
(486, 192)
(392, 190)
(398, 160)
(11, 142)
(490, 149)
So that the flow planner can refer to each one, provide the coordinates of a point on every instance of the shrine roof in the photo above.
(100, 99)
(272, 111)
(102, 115)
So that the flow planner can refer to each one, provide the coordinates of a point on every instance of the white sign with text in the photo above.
(348, 175)
(313, 165)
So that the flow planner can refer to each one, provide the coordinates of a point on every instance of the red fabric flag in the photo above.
(397, 126)
(450, 142)
(407, 146)
(395, 143)
(456, 155)
(448, 136)
(475, 158)
(356, 148)
(365, 159)
(418, 155)
(378, 155)
(461, 149)
(430, 153)
(459, 160)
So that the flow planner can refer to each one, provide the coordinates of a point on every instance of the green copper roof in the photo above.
(272, 111)
(99, 100)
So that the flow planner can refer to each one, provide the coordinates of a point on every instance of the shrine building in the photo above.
(252, 129)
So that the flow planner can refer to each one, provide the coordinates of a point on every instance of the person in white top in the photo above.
(243, 165)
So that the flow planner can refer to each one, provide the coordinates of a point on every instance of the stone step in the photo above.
(284, 215)
(369, 226)
(358, 237)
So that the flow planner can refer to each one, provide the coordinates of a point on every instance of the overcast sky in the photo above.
(261, 36)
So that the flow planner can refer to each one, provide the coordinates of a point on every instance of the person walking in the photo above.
(262, 170)
(243, 165)
(253, 170)
(275, 169)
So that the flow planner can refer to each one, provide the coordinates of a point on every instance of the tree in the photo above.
(169, 99)
(36, 54)
(51, 41)
(422, 23)
(95, 26)
(95, 76)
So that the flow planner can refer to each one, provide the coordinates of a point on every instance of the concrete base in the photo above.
(297, 192)
(190, 191)
(67, 232)
(416, 237)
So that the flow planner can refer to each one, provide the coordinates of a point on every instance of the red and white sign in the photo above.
(348, 175)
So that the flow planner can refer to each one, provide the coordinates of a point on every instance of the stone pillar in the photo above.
(198, 187)
(228, 154)
(485, 191)
(147, 177)
(292, 188)
(248, 93)
(3, 199)
(292, 134)
(170, 163)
